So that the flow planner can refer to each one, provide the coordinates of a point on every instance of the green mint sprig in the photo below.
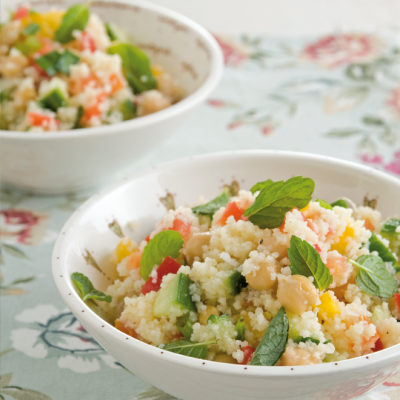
(214, 205)
(87, 290)
(188, 348)
(305, 260)
(76, 18)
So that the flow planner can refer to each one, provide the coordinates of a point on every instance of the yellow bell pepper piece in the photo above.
(156, 70)
(305, 208)
(49, 22)
(124, 249)
(329, 306)
(341, 245)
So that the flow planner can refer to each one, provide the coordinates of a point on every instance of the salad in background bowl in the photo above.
(169, 317)
(87, 91)
(67, 69)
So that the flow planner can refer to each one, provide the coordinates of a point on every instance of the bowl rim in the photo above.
(216, 69)
(91, 319)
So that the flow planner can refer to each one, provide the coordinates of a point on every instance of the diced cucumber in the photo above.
(389, 232)
(340, 203)
(53, 100)
(234, 283)
(376, 245)
(128, 110)
(379, 314)
(324, 204)
(114, 33)
(185, 326)
(175, 294)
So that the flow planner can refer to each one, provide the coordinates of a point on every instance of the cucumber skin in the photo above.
(235, 282)
(176, 293)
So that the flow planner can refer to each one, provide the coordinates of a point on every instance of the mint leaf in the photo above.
(86, 289)
(277, 198)
(390, 226)
(164, 244)
(31, 29)
(136, 66)
(240, 328)
(376, 245)
(306, 261)
(48, 62)
(65, 61)
(340, 203)
(324, 204)
(273, 343)
(188, 348)
(185, 326)
(76, 18)
(212, 206)
(373, 278)
(261, 185)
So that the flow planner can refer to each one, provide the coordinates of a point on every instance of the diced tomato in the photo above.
(397, 298)
(123, 328)
(232, 209)
(48, 46)
(168, 266)
(182, 227)
(94, 110)
(116, 83)
(248, 354)
(378, 345)
(22, 12)
(147, 238)
(37, 119)
(86, 42)
(368, 224)
(316, 247)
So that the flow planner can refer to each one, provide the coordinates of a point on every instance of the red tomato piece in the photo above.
(22, 12)
(316, 247)
(86, 42)
(248, 354)
(397, 298)
(168, 266)
(182, 227)
(147, 238)
(36, 119)
(232, 209)
(378, 345)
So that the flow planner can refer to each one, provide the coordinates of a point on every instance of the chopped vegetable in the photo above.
(116, 34)
(53, 100)
(79, 115)
(29, 46)
(240, 329)
(86, 42)
(164, 244)
(277, 198)
(86, 289)
(128, 110)
(185, 326)
(76, 18)
(232, 209)
(65, 60)
(235, 283)
(55, 61)
(376, 245)
(324, 204)
(305, 260)
(339, 203)
(168, 266)
(22, 12)
(248, 352)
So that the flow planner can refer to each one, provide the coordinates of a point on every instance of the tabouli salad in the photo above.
(67, 69)
(261, 277)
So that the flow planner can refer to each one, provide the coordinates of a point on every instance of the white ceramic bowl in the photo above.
(137, 198)
(60, 162)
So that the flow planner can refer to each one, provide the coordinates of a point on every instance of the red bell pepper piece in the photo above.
(316, 247)
(397, 298)
(168, 266)
(182, 227)
(86, 42)
(22, 12)
(378, 345)
(248, 354)
(232, 209)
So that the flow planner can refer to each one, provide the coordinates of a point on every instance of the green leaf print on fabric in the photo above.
(17, 392)
(14, 251)
(10, 289)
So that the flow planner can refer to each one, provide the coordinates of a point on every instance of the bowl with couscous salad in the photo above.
(71, 75)
(276, 277)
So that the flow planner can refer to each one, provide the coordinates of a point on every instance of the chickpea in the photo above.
(224, 358)
(194, 246)
(294, 357)
(204, 315)
(296, 293)
(152, 101)
(265, 277)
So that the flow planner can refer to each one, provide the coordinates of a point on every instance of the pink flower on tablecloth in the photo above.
(394, 102)
(376, 160)
(234, 53)
(24, 226)
(335, 50)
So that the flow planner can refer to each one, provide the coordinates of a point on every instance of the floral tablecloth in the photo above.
(337, 95)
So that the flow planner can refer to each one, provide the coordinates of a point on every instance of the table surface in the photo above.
(337, 95)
